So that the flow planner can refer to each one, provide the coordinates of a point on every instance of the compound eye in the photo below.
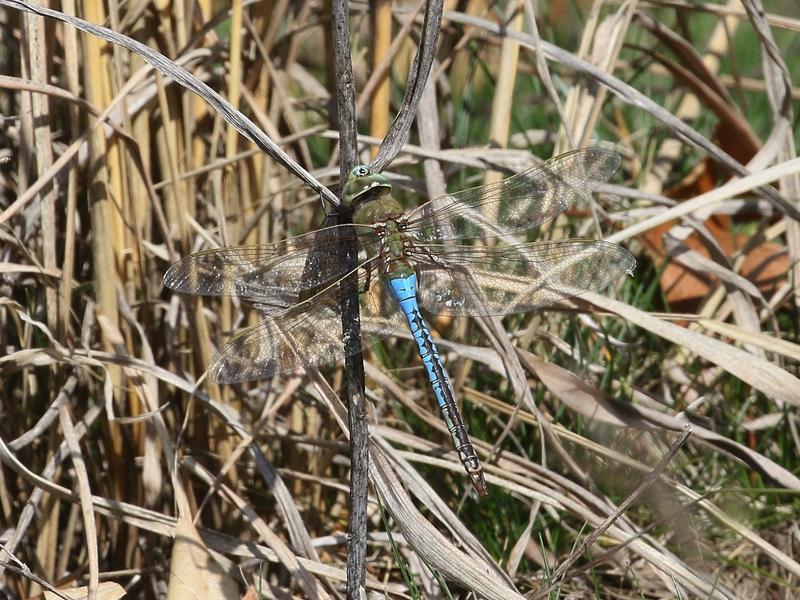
(360, 171)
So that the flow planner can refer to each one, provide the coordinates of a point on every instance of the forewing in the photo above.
(277, 275)
(482, 280)
(306, 335)
(517, 203)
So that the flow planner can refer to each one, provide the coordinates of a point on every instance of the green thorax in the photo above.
(370, 196)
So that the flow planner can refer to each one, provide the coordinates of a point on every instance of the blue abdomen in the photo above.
(404, 290)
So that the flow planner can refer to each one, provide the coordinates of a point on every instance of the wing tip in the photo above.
(625, 261)
(601, 162)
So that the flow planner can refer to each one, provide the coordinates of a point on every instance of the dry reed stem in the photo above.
(381, 43)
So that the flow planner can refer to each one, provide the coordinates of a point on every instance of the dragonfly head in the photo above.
(363, 185)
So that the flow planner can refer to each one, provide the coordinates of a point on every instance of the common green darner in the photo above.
(426, 258)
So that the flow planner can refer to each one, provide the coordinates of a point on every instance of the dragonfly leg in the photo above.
(370, 269)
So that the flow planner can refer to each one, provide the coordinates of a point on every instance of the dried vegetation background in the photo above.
(112, 440)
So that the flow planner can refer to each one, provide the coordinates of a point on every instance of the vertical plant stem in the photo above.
(72, 76)
(381, 41)
(351, 323)
(231, 179)
(503, 100)
(102, 218)
(37, 63)
(35, 56)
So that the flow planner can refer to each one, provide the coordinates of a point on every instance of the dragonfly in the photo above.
(455, 255)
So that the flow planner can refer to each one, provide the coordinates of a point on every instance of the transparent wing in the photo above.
(520, 202)
(278, 274)
(482, 280)
(306, 335)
